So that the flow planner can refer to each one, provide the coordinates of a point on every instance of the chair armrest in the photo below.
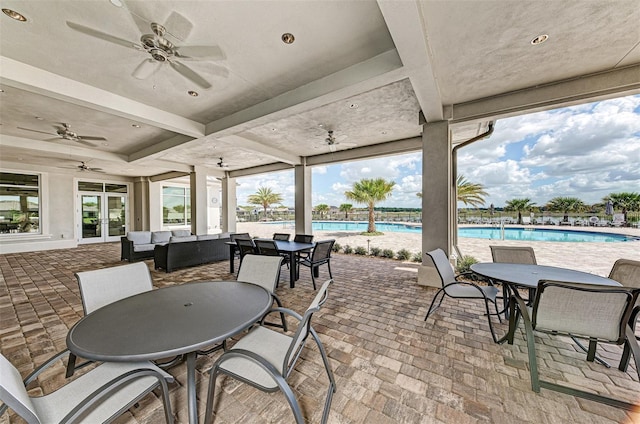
(35, 373)
(283, 311)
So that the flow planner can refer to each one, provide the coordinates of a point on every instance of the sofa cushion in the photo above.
(139, 237)
(175, 239)
(208, 237)
(160, 236)
(180, 233)
(143, 247)
(224, 235)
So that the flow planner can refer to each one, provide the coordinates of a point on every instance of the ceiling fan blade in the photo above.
(146, 68)
(81, 141)
(99, 34)
(200, 53)
(188, 73)
(96, 170)
(178, 26)
(332, 148)
(86, 137)
(42, 132)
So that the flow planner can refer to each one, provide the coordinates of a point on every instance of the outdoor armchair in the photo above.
(104, 286)
(263, 271)
(265, 359)
(457, 289)
(270, 248)
(513, 255)
(593, 312)
(303, 238)
(320, 255)
(245, 247)
(99, 396)
(281, 236)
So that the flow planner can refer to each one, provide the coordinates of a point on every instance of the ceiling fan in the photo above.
(64, 131)
(84, 168)
(162, 51)
(222, 164)
(332, 141)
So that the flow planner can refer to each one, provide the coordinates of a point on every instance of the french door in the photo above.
(102, 215)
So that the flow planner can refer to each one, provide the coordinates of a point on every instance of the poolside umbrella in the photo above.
(608, 210)
(492, 210)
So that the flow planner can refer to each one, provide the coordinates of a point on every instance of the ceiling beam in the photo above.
(378, 71)
(48, 147)
(168, 176)
(253, 143)
(262, 169)
(159, 149)
(600, 86)
(35, 80)
(406, 25)
(405, 145)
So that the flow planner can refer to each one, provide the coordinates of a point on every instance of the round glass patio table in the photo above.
(176, 320)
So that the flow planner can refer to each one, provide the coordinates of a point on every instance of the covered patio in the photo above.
(391, 366)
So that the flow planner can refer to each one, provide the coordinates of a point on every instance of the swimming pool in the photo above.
(491, 233)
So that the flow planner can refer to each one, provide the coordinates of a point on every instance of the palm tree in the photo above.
(467, 192)
(519, 205)
(565, 205)
(470, 193)
(346, 208)
(322, 209)
(265, 197)
(624, 201)
(369, 192)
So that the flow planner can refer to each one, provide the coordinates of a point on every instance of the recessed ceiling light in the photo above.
(353, 106)
(105, 144)
(116, 3)
(192, 93)
(14, 15)
(1, 90)
(539, 39)
(384, 133)
(135, 125)
(39, 118)
(288, 38)
(274, 129)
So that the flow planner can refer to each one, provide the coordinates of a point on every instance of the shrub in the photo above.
(336, 247)
(375, 251)
(360, 250)
(417, 257)
(464, 263)
(388, 253)
(347, 249)
(403, 254)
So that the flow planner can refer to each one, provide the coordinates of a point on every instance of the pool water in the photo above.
(491, 233)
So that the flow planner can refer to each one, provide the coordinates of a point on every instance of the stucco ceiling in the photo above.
(364, 69)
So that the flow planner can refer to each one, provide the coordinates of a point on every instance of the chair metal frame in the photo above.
(97, 398)
(466, 289)
(296, 344)
(626, 336)
(320, 255)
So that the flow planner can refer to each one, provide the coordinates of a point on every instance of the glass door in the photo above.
(115, 216)
(102, 212)
(91, 218)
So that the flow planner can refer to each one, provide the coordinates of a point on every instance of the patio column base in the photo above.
(428, 276)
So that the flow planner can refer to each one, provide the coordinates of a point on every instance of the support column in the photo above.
(436, 197)
(139, 214)
(303, 199)
(229, 205)
(199, 204)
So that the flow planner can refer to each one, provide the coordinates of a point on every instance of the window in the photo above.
(176, 205)
(19, 203)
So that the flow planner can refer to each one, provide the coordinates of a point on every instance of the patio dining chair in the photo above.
(99, 396)
(458, 289)
(263, 271)
(281, 236)
(513, 255)
(101, 287)
(320, 255)
(303, 238)
(245, 247)
(265, 358)
(593, 312)
(269, 248)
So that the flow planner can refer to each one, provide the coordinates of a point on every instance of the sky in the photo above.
(585, 151)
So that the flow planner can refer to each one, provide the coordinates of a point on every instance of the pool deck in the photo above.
(593, 257)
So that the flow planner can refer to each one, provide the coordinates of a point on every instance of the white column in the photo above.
(229, 204)
(139, 214)
(436, 197)
(199, 200)
(303, 199)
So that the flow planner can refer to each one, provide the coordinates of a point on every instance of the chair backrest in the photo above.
(101, 287)
(303, 238)
(443, 266)
(627, 273)
(302, 332)
(261, 270)
(245, 246)
(14, 394)
(237, 236)
(322, 250)
(618, 217)
(583, 310)
(281, 236)
(267, 247)
(513, 255)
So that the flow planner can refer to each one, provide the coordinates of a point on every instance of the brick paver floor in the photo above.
(390, 365)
